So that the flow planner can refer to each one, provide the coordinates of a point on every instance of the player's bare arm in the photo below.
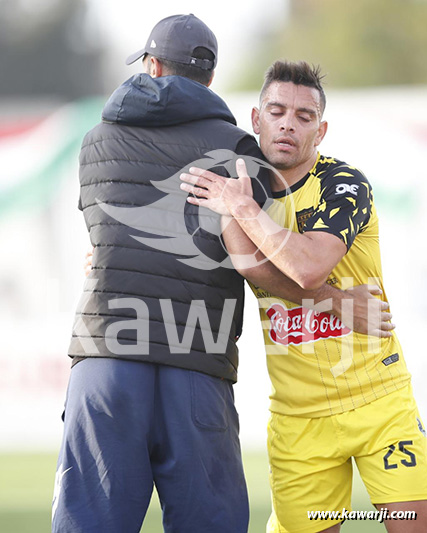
(357, 308)
(306, 258)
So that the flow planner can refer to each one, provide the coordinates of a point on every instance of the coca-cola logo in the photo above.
(300, 325)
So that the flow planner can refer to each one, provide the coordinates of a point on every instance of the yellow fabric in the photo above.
(317, 366)
(310, 460)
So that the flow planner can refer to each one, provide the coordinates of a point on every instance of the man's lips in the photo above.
(285, 142)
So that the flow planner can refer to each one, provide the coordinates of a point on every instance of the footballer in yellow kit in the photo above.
(319, 367)
(337, 393)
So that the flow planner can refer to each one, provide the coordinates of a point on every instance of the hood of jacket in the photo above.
(166, 101)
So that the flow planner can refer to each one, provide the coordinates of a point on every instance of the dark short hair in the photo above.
(299, 73)
(190, 71)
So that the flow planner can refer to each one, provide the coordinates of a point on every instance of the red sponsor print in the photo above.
(300, 325)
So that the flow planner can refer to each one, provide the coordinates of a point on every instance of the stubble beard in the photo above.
(277, 162)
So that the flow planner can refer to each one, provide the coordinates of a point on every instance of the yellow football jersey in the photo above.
(318, 366)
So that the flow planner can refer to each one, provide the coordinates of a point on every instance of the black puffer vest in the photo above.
(157, 292)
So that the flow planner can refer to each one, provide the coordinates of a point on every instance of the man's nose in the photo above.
(287, 124)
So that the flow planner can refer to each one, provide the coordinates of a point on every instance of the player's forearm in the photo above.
(262, 273)
(358, 309)
(293, 254)
(269, 278)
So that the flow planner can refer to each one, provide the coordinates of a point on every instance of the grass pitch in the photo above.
(26, 487)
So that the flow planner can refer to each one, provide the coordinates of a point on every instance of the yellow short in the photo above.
(311, 468)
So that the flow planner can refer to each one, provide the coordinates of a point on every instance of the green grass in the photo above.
(26, 486)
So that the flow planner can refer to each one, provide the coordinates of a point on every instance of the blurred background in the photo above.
(59, 61)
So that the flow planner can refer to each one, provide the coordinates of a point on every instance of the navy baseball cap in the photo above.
(175, 38)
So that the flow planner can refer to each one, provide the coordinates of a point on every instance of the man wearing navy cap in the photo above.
(176, 38)
(150, 398)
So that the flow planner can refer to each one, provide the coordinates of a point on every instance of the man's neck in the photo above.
(292, 175)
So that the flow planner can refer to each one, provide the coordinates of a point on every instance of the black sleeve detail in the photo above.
(345, 204)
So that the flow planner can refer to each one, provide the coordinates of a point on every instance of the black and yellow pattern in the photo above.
(345, 204)
(317, 366)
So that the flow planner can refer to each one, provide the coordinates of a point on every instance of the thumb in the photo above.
(241, 169)
(243, 176)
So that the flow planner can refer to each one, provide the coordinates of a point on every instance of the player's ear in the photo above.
(255, 120)
(155, 67)
(321, 132)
